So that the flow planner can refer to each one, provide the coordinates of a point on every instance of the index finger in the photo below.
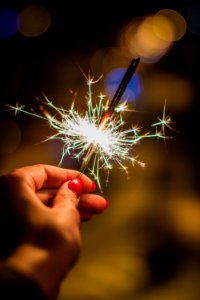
(47, 176)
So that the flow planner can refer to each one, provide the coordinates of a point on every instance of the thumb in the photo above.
(65, 197)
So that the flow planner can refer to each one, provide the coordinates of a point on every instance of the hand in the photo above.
(40, 222)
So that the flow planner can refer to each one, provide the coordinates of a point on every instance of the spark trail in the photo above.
(113, 104)
(96, 137)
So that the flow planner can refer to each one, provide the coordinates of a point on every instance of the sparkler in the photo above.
(97, 133)
(113, 104)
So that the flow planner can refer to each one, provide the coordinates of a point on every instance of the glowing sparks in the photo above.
(17, 108)
(84, 135)
(165, 121)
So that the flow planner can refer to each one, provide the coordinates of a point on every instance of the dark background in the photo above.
(77, 30)
(146, 245)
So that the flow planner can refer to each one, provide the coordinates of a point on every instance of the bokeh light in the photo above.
(177, 90)
(169, 25)
(152, 36)
(113, 80)
(163, 28)
(147, 44)
(8, 23)
(153, 211)
(34, 20)
(106, 59)
(139, 39)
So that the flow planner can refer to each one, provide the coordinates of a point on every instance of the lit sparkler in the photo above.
(99, 132)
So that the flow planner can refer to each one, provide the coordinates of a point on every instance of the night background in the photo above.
(146, 245)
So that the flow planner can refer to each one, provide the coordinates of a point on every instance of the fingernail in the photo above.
(93, 186)
(76, 186)
(107, 203)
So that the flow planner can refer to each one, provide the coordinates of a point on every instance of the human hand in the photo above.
(44, 215)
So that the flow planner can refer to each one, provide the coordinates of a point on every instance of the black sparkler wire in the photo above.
(123, 85)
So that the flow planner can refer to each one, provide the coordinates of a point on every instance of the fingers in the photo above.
(82, 184)
(57, 187)
(65, 198)
(88, 205)
(92, 204)
(46, 195)
(85, 216)
(40, 176)
(76, 186)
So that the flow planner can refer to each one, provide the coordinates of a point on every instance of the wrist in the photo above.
(39, 267)
(15, 285)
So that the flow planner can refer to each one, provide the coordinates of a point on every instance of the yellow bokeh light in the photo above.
(139, 39)
(127, 38)
(34, 21)
(147, 43)
(106, 59)
(177, 90)
(152, 36)
(163, 28)
(169, 25)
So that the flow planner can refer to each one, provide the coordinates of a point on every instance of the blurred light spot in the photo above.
(178, 91)
(163, 27)
(106, 59)
(169, 25)
(139, 39)
(34, 20)
(127, 37)
(147, 44)
(99, 60)
(10, 136)
(193, 16)
(184, 217)
(113, 80)
(8, 23)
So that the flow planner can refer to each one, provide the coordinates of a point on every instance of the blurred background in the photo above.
(146, 245)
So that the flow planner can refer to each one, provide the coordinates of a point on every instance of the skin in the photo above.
(44, 217)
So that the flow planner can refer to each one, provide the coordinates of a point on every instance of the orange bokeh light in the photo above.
(34, 21)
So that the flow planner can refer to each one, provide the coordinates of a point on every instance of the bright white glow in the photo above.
(84, 137)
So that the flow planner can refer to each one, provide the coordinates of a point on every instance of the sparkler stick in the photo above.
(121, 89)
(97, 132)
(114, 102)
